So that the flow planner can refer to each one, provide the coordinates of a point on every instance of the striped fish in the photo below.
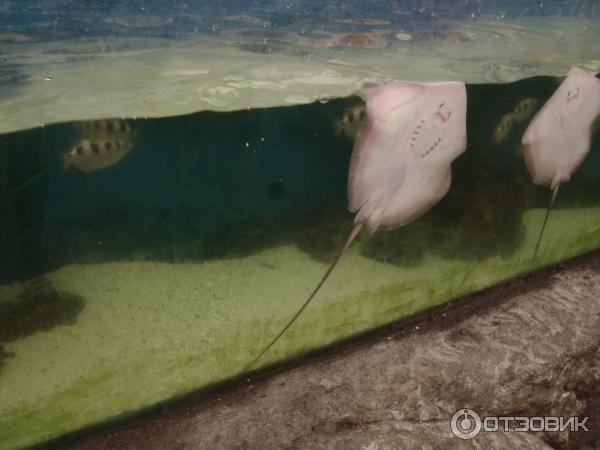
(520, 113)
(350, 122)
(106, 128)
(89, 155)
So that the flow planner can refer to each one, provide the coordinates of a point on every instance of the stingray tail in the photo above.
(537, 245)
(355, 230)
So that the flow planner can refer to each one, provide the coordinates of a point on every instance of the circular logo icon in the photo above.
(465, 424)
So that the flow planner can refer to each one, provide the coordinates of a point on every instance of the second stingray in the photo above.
(560, 136)
(401, 161)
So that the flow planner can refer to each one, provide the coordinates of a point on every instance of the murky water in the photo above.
(179, 262)
(168, 270)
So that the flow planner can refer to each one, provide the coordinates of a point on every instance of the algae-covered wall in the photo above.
(170, 270)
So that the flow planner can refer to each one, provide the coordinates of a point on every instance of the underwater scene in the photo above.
(175, 180)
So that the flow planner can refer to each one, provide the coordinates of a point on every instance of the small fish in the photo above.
(521, 112)
(106, 128)
(503, 128)
(89, 155)
(350, 122)
(524, 109)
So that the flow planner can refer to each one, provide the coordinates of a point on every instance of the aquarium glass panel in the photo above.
(174, 184)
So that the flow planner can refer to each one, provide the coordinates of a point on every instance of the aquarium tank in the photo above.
(174, 184)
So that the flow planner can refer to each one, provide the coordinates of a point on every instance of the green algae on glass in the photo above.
(181, 262)
(185, 354)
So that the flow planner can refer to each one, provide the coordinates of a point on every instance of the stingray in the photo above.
(400, 164)
(559, 137)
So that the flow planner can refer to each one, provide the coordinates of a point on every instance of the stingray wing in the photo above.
(401, 163)
(374, 146)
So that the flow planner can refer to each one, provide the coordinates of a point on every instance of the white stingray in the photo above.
(400, 164)
(559, 137)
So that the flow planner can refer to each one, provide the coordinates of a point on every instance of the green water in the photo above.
(170, 270)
